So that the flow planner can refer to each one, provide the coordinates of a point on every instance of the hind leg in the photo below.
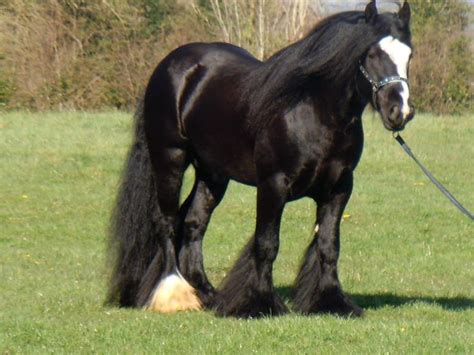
(195, 216)
(163, 289)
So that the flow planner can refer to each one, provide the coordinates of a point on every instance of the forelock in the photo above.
(389, 24)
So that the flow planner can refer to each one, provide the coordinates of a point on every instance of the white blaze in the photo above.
(399, 53)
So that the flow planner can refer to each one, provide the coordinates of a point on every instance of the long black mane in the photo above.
(327, 57)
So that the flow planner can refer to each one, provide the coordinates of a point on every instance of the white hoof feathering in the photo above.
(174, 294)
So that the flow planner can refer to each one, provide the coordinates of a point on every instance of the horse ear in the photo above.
(405, 13)
(371, 12)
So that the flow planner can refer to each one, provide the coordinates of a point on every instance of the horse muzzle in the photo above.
(395, 118)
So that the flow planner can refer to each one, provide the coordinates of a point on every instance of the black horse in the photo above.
(291, 126)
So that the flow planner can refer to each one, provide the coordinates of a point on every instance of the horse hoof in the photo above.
(347, 309)
(254, 308)
(174, 294)
(332, 301)
(208, 299)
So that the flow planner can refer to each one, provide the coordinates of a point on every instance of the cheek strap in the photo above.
(377, 85)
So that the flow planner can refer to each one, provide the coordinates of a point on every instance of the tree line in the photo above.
(91, 55)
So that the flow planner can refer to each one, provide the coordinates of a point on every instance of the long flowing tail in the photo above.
(141, 251)
(132, 242)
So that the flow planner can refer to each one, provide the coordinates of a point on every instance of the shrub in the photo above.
(442, 65)
(79, 54)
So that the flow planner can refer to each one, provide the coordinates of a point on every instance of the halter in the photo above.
(377, 85)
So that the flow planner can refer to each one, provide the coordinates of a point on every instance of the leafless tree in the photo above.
(261, 26)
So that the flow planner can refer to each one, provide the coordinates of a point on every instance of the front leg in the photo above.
(248, 289)
(317, 287)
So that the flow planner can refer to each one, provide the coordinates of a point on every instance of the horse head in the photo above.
(386, 65)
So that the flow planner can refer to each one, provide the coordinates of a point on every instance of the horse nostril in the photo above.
(394, 112)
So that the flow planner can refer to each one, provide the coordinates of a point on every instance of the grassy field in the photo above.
(407, 254)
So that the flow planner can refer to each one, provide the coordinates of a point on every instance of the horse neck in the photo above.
(339, 105)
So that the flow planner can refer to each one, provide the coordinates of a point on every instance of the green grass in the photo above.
(407, 254)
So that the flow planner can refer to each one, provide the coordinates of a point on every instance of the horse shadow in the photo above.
(375, 301)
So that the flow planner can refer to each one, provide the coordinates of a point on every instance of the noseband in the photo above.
(377, 85)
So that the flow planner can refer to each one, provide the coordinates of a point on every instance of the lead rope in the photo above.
(445, 192)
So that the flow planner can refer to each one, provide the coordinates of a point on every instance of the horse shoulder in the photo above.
(308, 150)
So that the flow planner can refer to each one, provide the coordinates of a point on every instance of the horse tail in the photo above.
(133, 244)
